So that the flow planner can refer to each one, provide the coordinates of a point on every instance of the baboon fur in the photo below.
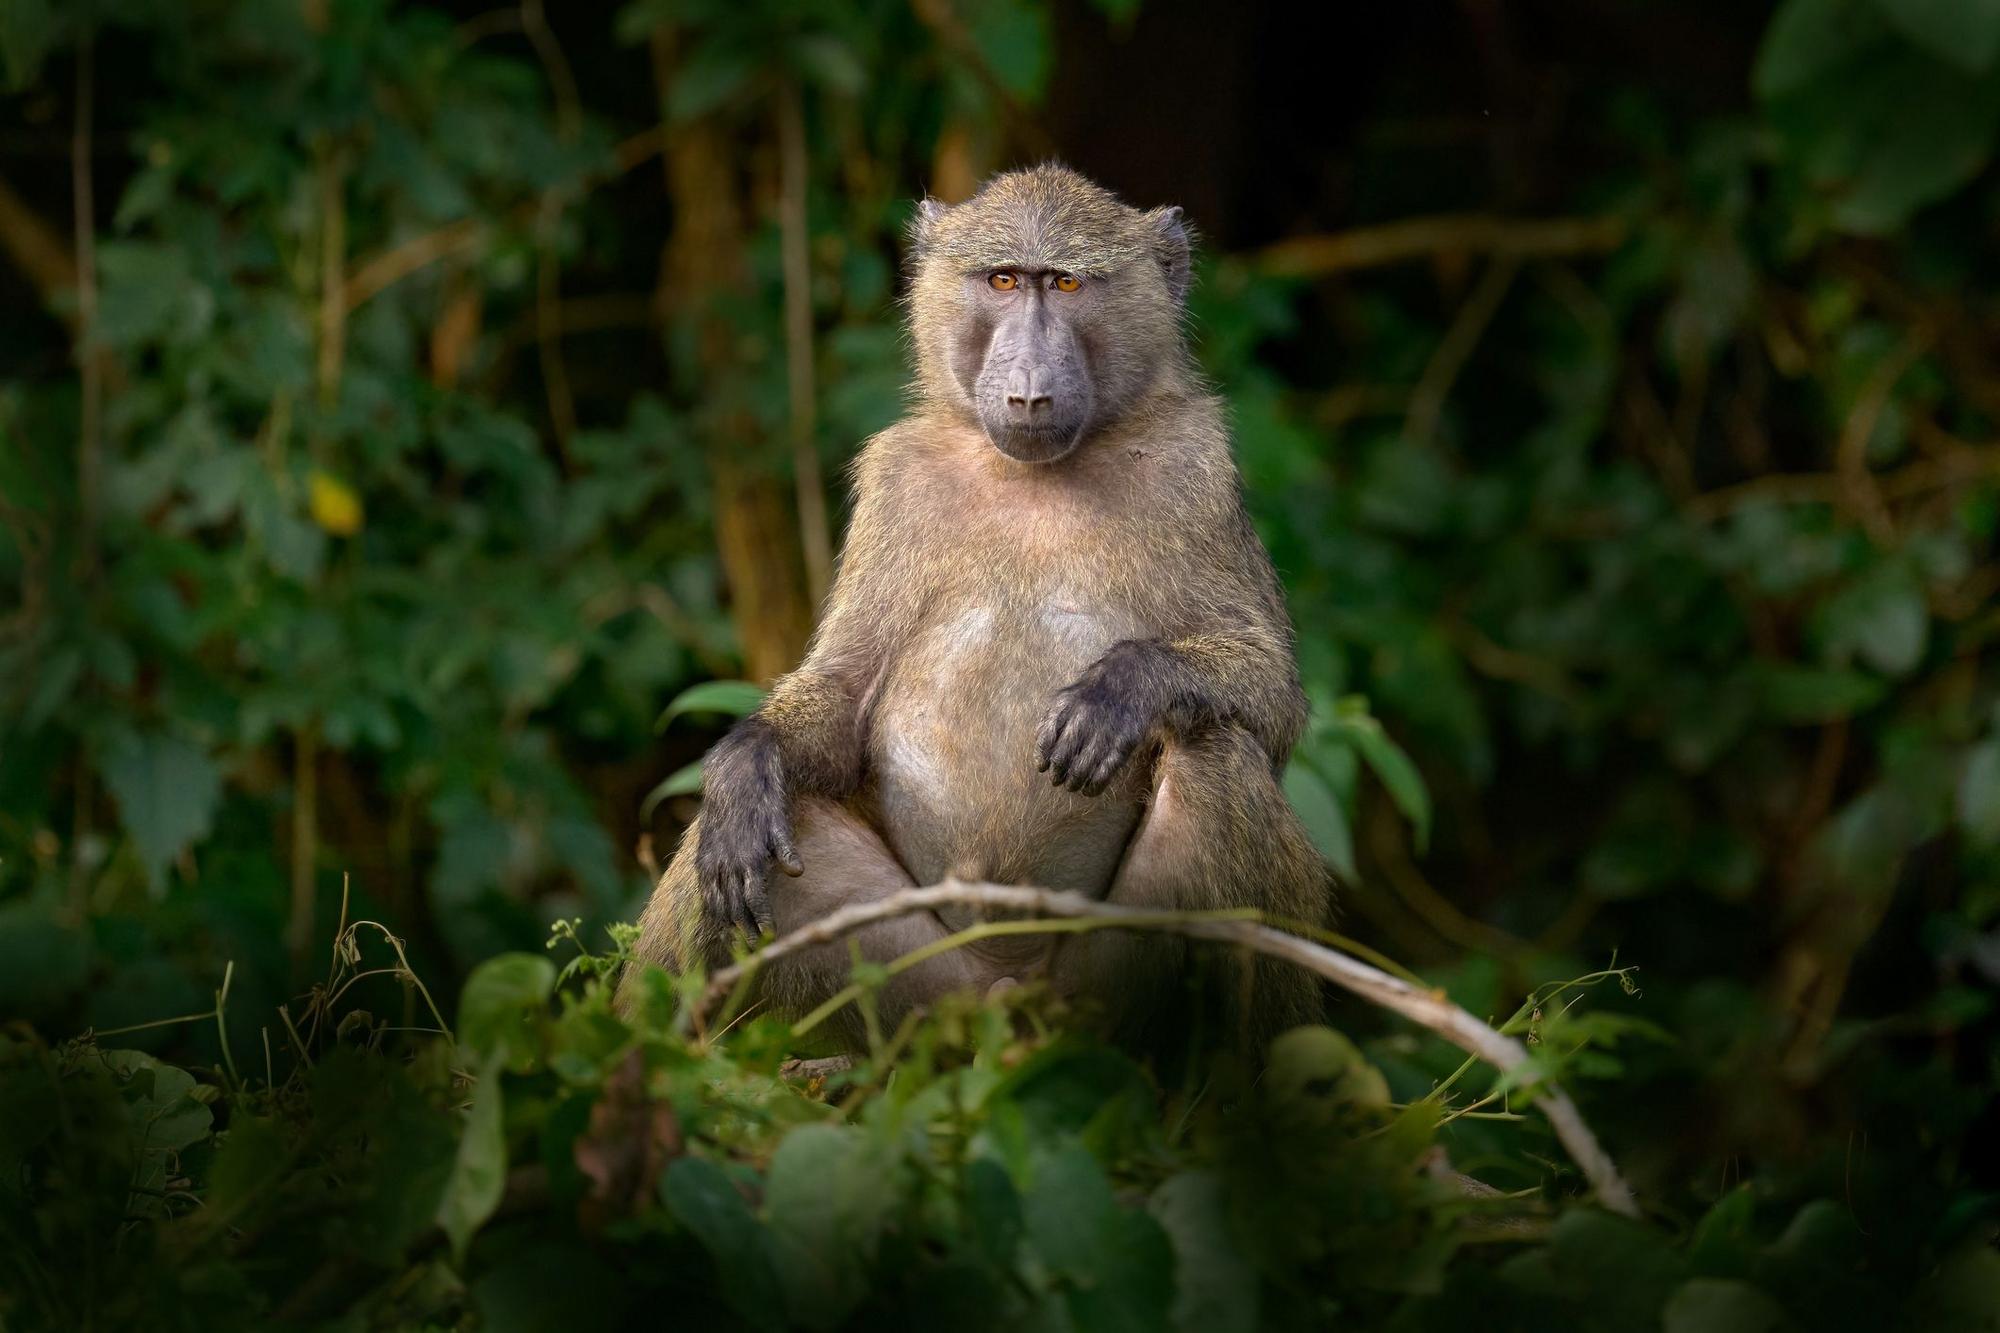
(980, 597)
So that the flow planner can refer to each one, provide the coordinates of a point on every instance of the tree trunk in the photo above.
(756, 532)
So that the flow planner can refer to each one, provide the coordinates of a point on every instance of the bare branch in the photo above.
(1456, 348)
(1851, 458)
(1417, 238)
(390, 266)
(37, 249)
(1426, 1008)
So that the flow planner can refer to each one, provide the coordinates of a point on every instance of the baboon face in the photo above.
(1020, 356)
(1043, 307)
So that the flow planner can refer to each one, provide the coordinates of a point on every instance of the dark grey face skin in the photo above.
(1023, 359)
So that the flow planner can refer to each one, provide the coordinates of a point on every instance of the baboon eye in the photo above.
(1004, 282)
(1066, 282)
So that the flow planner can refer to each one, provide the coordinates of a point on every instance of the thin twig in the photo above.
(37, 249)
(391, 266)
(404, 970)
(1385, 835)
(222, 1022)
(1851, 458)
(548, 330)
(388, 267)
(1456, 347)
(1426, 1008)
(333, 306)
(1831, 488)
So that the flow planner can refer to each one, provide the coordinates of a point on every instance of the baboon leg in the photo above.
(1217, 833)
(846, 862)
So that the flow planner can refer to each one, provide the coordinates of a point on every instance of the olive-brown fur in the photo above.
(1076, 673)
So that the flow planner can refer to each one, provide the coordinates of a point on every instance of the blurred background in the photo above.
(401, 403)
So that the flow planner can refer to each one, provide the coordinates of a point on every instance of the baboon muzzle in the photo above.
(1034, 401)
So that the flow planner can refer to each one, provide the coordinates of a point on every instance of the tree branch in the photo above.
(37, 249)
(391, 266)
(1416, 238)
(1427, 1008)
(1456, 347)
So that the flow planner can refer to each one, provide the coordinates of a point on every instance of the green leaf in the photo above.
(27, 27)
(1320, 811)
(827, 1197)
(1861, 848)
(1883, 618)
(1216, 1288)
(167, 790)
(1722, 1305)
(1721, 1244)
(1320, 1071)
(704, 1200)
(1809, 39)
(503, 1008)
(683, 781)
(1118, 1263)
(1962, 1296)
(1965, 33)
(1978, 801)
(703, 84)
(1390, 763)
(1801, 694)
(830, 63)
(1013, 37)
(479, 1170)
(736, 698)
(45, 961)
(1620, 1270)
(1060, 1089)
(150, 294)
(994, 1207)
(1880, 125)
(165, 1115)
(253, 1155)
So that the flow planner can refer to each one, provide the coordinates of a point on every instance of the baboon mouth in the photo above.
(1035, 444)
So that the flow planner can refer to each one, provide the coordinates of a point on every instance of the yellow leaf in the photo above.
(335, 506)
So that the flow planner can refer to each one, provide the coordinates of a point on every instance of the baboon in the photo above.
(1055, 653)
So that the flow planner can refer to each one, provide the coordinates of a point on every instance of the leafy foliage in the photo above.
(1004, 1176)
(1646, 587)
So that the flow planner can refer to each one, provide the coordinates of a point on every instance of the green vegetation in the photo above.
(431, 395)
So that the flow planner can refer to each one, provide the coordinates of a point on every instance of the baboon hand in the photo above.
(745, 828)
(1096, 723)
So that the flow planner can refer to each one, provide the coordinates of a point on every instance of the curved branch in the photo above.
(400, 261)
(1426, 1008)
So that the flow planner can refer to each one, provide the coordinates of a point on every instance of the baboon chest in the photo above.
(952, 741)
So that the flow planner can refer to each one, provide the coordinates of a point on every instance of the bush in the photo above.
(557, 1163)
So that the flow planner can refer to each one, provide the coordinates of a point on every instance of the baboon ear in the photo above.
(1170, 247)
(923, 226)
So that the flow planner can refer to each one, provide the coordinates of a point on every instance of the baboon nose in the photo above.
(1028, 397)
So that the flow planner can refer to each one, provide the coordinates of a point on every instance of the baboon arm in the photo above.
(1238, 646)
(1245, 677)
(819, 712)
(817, 720)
